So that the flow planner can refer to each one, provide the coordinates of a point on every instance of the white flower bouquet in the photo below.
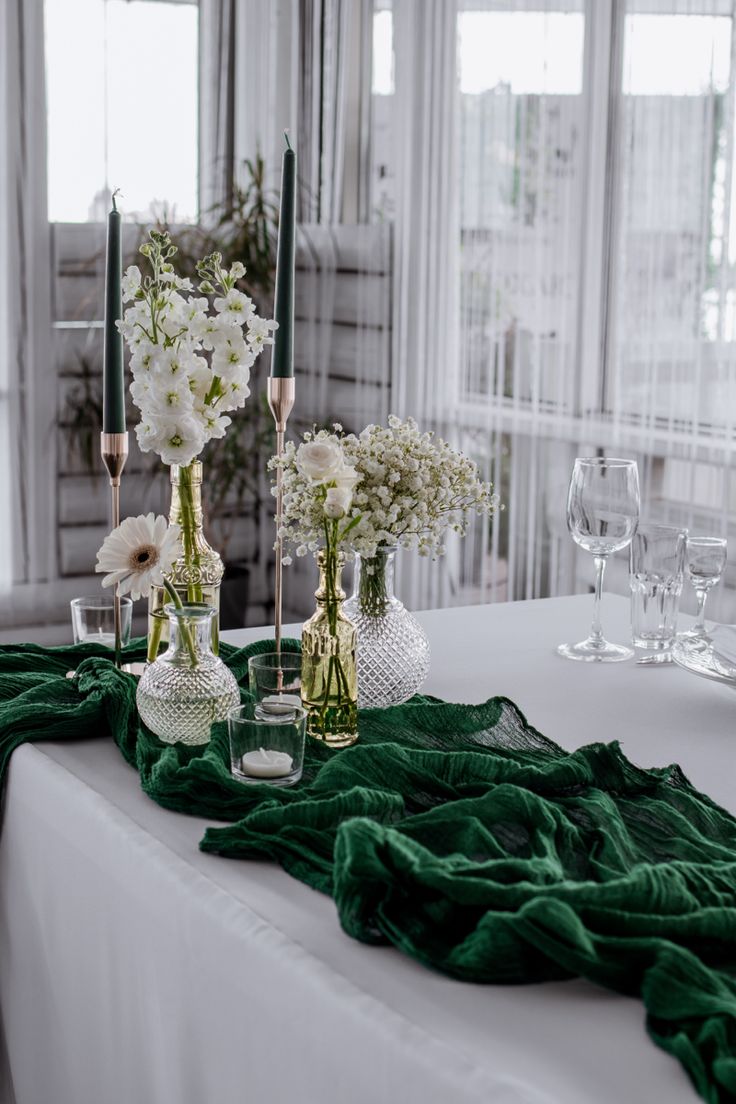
(191, 349)
(393, 486)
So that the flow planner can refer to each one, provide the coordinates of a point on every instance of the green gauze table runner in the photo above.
(463, 837)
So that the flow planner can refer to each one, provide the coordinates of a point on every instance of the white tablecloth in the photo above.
(136, 970)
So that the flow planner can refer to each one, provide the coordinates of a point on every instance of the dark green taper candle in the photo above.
(113, 383)
(282, 360)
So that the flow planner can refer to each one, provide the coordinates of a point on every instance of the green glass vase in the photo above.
(329, 672)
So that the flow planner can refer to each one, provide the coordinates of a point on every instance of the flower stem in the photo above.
(188, 528)
(372, 591)
(184, 627)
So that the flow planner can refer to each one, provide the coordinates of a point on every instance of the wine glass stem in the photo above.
(595, 629)
(702, 594)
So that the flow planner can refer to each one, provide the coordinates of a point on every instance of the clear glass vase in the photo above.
(188, 688)
(393, 649)
(329, 676)
(197, 574)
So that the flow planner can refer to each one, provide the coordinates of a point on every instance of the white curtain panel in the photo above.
(425, 359)
(324, 34)
(587, 147)
(27, 379)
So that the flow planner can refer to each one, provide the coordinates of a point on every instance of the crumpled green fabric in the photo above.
(460, 835)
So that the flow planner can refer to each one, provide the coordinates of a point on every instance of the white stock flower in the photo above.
(235, 308)
(229, 357)
(148, 432)
(180, 439)
(215, 424)
(170, 397)
(236, 392)
(130, 283)
(138, 554)
(260, 332)
(320, 460)
(189, 365)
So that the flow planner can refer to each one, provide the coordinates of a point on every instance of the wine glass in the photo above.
(706, 559)
(602, 516)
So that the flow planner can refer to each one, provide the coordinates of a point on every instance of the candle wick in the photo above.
(286, 136)
(114, 204)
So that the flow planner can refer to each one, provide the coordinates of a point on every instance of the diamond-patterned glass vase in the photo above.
(183, 692)
(393, 649)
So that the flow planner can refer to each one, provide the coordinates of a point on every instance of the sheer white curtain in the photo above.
(27, 379)
(591, 162)
(426, 235)
(670, 380)
(522, 171)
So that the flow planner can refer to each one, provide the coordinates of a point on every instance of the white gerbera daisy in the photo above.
(138, 554)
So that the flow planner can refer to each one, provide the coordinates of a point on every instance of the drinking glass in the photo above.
(275, 680)
(93, 620)
(602, 516)
(267, 749)
(706, 559)
(657, 568)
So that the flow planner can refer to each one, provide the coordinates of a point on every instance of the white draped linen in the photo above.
(135, 968)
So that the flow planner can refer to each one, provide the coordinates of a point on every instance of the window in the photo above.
(596, 171)
(122, 93)
(521, 159)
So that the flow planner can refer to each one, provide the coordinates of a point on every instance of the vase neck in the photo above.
(330, 566)
(374, 581)
(190, 628)
(186, 497)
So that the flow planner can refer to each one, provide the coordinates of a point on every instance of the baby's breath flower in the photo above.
(408, 489)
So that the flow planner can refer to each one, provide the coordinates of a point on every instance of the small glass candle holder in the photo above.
(266, 749)
(93, 620)
(275, 680)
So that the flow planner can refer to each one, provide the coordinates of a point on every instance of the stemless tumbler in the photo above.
(602, 516)
(657, 569)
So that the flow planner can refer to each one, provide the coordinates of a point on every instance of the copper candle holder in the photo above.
(114, 450)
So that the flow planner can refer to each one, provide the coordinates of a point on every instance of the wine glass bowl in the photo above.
(706, 559)
(602, 516)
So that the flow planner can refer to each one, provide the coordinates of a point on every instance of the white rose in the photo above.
(347, 478)
(320, 461)
(338, 501)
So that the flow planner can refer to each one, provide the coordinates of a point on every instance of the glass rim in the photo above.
(609, 461)
(704, 542)
(256, 659)
(234, 714)
(654, 527)
(190, 611)
(101, 601)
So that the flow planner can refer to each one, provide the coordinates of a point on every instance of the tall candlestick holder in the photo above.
(114, 450)
(281, 394)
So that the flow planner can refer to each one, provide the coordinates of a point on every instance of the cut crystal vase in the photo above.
(188, 687)
(329, 677)
(198, 572)
(393, 649)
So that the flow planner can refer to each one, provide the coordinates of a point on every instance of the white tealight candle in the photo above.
(267, 764)
(277, 705)
(100, 637)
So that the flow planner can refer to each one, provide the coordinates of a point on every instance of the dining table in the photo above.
(137, 969)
